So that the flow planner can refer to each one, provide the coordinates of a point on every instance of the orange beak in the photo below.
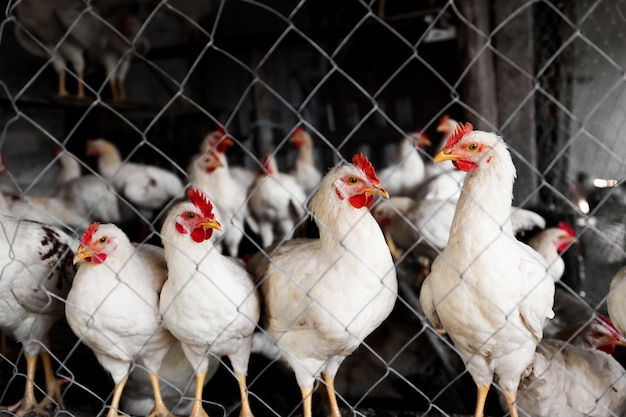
(211, 224)
(446, 155)
(377, 189)
(82, 253)
(619, 342)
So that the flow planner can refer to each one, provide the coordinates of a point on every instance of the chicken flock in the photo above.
(397, 286)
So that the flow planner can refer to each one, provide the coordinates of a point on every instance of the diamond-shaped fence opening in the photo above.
(112, 110)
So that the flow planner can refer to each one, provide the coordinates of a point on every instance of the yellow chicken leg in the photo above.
(197, 409)
(115, 401)
(246, 411)
(480, 400)
(115, 95)
(62, 92)
(28, 403)
(510, 398)
(121, 90)
(159, 409)
(53, 384)
(81, 86)
(307, 401)
(332, 397)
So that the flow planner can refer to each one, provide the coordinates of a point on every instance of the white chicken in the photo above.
(37, 272)
(442, 181)
(276, 202)
(304, 169)
(52, 210)
(114, 48)
(209, 301)
(550, 243)
(88, 195)
(147, 187)
(577, 377)
(219, 141)
(210, 173)
(423, 226)
(490, 292)
(404, 177)
(113, 307)
(61, 30)
(615, 301)
(323, 296)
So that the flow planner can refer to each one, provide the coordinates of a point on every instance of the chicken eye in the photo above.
(472, 147)
(352, 180)
(190, 215)
(103, 239)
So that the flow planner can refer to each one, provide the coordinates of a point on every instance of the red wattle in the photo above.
(464, 165)
(361, 200)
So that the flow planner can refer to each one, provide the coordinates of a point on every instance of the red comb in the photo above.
(201, 201)
(298, 131)
(567, 228)
(57, 149)
(460, 131)
(221, 130)
(444, 119)
(364, 164)
(88, 235)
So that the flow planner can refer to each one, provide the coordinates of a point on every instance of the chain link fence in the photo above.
(153, 78)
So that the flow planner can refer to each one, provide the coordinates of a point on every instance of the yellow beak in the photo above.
(445, 156)
(619, 342)
(378, 189)
(211, 224)
(82, 253)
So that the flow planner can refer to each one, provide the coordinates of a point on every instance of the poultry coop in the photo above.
(152, 81)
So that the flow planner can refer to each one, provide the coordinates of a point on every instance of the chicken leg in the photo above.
(246, 411)
(115, 95)
(81, 85)
(332, 397)
(62, 91)
(197, 410)
(115, 401)
(480, 400)
(53, 384)
(510, 398)
(160, 409)
(28, 403)
(121, 91)
(307, 401)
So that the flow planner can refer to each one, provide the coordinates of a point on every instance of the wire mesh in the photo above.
(154, 78)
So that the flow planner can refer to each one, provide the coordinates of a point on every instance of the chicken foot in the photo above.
(28, 403)
(160, 409)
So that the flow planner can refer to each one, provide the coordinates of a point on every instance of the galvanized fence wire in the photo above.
(356, 76)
